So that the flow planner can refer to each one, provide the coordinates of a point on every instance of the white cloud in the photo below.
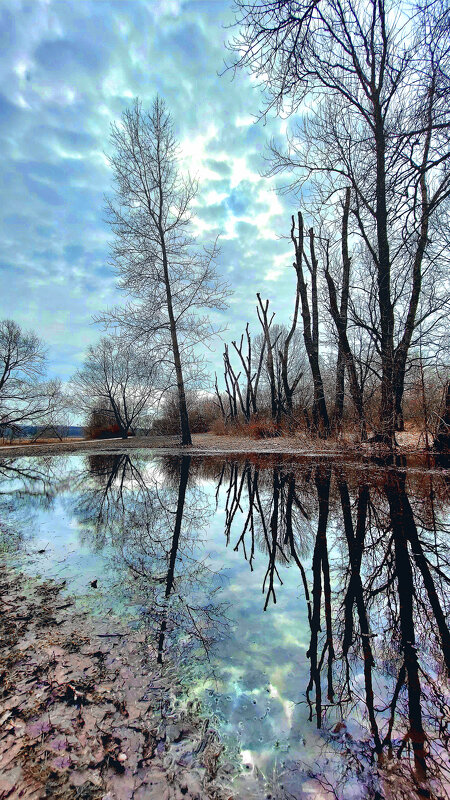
(69, 69)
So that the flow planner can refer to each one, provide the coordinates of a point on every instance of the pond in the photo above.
(304, 603)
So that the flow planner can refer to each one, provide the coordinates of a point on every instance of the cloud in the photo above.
(68, 70)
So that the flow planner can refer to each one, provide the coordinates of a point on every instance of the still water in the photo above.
(305, 604)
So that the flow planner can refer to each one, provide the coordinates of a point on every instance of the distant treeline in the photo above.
(33, 431)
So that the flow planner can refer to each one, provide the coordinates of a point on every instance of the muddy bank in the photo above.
(210, 444)
(85, 713)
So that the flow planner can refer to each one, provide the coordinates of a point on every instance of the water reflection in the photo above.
(359, 562)
(26, 489)
(153, 520)
(383, 607)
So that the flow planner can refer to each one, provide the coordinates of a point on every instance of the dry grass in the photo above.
(43, 440)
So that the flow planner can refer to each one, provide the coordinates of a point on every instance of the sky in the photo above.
(68, 69)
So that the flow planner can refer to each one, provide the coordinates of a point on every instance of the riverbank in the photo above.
(86, 713)
(210, 444)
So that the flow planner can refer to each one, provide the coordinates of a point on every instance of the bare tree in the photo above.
(310, 319)
(154, 254)
(252, 377)
(273, 360)
(289, 386)
(26, 398)
(262, 311)
(377, 89)
(339, 313)
(116, 380)
(343, 314)
(232, 387)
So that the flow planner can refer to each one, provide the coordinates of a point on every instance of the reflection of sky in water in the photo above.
(52, 527)
(253, 685)
(261, 666)
(258, 668)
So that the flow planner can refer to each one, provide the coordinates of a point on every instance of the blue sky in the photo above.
(68, 69)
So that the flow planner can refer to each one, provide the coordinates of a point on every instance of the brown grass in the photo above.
(43, 440)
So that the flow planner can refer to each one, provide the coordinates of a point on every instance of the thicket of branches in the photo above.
(372, 150)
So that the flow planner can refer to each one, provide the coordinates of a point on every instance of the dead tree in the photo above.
(232, 386)
(251, 391)
(343, 313)
(289, 388)
(347, 355)
(262, 312)
(310, 323)
(219, 398)
(339, 314)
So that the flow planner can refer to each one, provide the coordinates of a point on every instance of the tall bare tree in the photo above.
(338, 308)
(343, 314)
(154, 253)
(262, 310)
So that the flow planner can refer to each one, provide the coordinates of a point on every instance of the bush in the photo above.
(201, 412)
(219, 428)
(262, 428)
(102, 425)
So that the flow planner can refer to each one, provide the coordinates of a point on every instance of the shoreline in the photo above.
(209, 444)
(86, 712)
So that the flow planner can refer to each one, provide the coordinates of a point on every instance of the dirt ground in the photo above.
(209, 443)
(86, 714)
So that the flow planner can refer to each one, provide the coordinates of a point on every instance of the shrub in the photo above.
(219, 427)
(101, 425)
(201, 410)
(262, 428)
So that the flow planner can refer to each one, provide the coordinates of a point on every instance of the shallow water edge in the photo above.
(85, 710)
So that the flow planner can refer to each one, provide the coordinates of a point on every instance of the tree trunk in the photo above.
(387, 426)
(311, 343)
(284, 359)
(340, 365)
(355, 389)
(442, 438)
(184, 477)
(401, 351)
(398, 399)
(182, 405)
(270, 366)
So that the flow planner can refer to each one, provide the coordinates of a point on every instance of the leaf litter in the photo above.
(86, 715)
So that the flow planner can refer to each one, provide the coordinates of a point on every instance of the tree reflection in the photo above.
(152, 520)
(375, 597)
(273, 518)
(27, 486)
(371, 551)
